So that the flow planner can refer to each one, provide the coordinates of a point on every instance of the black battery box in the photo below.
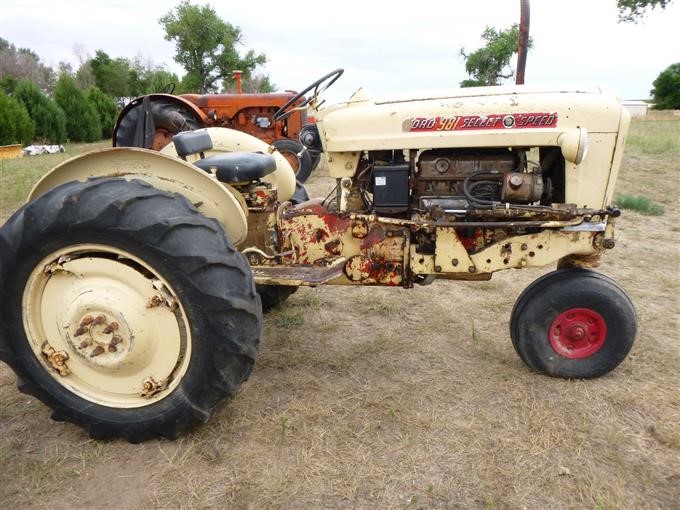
(390, 188)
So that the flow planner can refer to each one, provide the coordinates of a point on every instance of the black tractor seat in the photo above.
(227, 166)
(238, 166)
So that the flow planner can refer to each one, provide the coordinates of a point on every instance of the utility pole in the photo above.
(523, 46)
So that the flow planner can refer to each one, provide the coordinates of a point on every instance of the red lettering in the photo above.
(494, 121)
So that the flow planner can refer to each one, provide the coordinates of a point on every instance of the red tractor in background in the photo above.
(151, 121)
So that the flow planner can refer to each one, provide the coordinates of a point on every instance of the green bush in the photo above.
(639, 203)
(16, 125)
(49, 119)
(82, 121)
(106, 109)
(8, 84)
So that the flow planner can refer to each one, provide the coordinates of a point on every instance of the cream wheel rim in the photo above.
(106, 325)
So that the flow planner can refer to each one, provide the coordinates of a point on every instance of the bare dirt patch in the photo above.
(391, 398)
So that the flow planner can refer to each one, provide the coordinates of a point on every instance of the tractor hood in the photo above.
(432, 120)
(479, 92)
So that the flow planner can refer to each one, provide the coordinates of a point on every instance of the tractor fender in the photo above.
(210, 197)
(230, 140)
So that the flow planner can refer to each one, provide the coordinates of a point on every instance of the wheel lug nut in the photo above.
(87, 320)
(112, 348)
(100, 319)
(97, 351)
(84, 344)
(111, 328)
(115, 340)
(80, 331)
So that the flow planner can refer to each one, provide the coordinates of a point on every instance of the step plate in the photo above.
(298, 275)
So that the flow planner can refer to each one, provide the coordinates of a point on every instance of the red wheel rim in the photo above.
(578, 333)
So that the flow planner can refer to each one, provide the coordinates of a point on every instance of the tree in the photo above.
(205, 46)
(147, 78)
(8, 84)
(110, 75)
(666, 91)
(633, 10)
(160, 80)
(49, 119)
(106, 109)
(15, 124)
(490, 63)
(253, 84)
(84, 76)
(137, 80)
(24, 63)
(82, 121)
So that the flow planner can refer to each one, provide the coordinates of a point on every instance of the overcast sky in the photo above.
(386, 47)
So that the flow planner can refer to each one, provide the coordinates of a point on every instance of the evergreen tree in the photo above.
(49, 119)
(15, 124)
(82, 121)
(106, 109)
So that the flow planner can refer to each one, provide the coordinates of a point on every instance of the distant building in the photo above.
(635, 108)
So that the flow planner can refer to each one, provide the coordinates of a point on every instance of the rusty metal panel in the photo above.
(370, 271)
(451, 255)
(534, 250)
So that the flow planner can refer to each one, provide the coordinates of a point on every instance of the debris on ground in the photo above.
(35, 150)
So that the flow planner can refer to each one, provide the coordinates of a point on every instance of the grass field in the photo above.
(392, 398)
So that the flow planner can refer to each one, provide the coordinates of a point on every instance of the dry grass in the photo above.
(391, 398)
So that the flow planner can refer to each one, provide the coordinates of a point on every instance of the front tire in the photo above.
(573, 323)
(124, 309)
(274, 295)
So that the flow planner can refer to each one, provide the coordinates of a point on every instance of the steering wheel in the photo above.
(328, 80)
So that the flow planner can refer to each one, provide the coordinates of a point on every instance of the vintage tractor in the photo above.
(151, 121)
(133, 281)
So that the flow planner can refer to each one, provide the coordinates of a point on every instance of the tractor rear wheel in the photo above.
(316, 159)
(298, 157)
(573, 323)
(124, 309)
(151, 122)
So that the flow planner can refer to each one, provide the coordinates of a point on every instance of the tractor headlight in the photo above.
(574, 144)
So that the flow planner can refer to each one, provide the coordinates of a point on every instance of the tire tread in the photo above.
(171, 228)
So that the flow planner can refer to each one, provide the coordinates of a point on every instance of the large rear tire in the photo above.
(298, 157)
(163, 116)
(573, 323)
(316, 159)
(124, 309)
